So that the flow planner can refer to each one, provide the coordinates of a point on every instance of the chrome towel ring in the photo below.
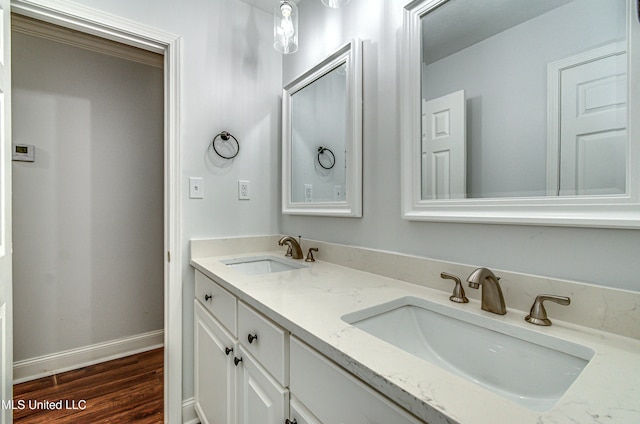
(331, 158)
(226, 136)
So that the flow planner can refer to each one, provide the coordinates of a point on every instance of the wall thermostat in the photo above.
(24, 153)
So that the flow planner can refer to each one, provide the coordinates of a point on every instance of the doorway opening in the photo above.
(93, 22)
(87, 202)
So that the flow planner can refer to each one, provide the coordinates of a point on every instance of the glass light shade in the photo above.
(285, 27)
(335, 3)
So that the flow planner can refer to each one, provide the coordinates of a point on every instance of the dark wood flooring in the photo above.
(126, 390)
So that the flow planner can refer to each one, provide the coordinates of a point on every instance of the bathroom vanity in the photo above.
(304, 342)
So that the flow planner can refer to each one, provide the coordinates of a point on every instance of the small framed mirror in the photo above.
(512, 115)
(322, 137)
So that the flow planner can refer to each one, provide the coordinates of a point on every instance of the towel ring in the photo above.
(323, 151)
(225, 136)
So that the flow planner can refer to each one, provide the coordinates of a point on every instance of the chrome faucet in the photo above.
(492, 299)
(294, 246)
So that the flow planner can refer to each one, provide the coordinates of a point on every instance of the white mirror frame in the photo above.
(351, 55)
(584, 211)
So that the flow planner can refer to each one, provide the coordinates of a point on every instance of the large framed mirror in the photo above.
(322, 137)
(519, 112)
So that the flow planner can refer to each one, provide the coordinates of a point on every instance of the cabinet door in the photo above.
(215, 373)
(261, 399)
(300, 414)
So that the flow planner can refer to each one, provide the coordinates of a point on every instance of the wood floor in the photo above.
(126, 390)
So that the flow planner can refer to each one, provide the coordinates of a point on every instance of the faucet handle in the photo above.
(538, 315)
(310, 257)
(458, 292)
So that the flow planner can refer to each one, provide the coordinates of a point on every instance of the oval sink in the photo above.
(525, 366)
(265, 264)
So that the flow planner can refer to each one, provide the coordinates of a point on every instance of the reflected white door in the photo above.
(6, 332)
(593, 137)
(443, 151)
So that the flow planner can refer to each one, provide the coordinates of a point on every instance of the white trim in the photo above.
(55, 363)
(351, 55)
(189, 415)
(95, 22)
(570, 211)
(5, 395)
(69, 37)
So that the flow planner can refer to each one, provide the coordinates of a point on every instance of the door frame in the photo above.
(111, 27)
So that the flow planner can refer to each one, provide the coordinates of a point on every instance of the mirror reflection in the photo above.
(523, 99)
(318, 139)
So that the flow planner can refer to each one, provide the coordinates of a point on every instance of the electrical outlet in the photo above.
(195, 188)
(337, 192)
(243, 190)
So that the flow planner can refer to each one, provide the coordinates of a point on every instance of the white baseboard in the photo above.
(189, 415)
(43, 366)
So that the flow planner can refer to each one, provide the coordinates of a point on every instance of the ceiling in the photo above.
(266, 5)
(460, 24)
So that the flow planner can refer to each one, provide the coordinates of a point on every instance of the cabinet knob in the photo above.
(288, 421)
(207, 297)
(228, 350)
(251, 338)
(237, 360)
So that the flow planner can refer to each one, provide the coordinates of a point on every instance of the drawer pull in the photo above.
(207, 297)
(228, 350)
(251, 338)
(288, 421)
(237, 360)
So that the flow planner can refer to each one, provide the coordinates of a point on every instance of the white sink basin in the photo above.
(265, 264)
(525, 366)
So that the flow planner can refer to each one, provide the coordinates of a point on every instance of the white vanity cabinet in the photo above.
(215, 373)
(241, 360)
(249, 370)
(334, 396)
(263, 396)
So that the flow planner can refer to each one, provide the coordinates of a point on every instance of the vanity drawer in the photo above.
(266, 341)
(218, 301)
(335, 396)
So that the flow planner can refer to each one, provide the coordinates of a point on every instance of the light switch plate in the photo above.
(196, 190)
(308, 192)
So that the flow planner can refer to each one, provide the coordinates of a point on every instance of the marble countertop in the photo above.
(310, 302)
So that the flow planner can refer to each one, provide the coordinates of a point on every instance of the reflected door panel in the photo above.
(444, 147)
(593, 138)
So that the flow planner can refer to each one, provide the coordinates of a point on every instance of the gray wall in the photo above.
(598, 256)
(88, 213)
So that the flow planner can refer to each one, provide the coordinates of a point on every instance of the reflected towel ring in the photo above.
(225, 136)
(323, 151)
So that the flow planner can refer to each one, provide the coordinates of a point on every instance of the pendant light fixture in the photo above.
(335, 3)
(285, 27)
